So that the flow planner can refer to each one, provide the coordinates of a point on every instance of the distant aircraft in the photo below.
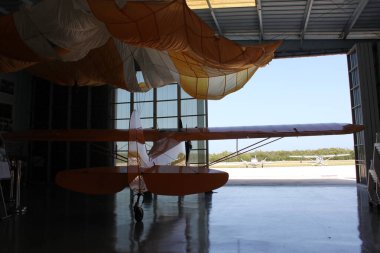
(162, 171)
(318, 159)
(254, 162)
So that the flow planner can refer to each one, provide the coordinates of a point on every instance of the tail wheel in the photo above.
(139, 213)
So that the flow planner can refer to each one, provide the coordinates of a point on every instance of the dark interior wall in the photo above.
(60, 107)
(15, 95)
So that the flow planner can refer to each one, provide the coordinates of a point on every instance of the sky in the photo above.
(288, 91)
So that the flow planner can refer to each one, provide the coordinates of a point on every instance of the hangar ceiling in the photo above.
(308, 27)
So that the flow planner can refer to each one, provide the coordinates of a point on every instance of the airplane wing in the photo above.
(332, 156)
(304, 156)
(211, 133)
(328, 157)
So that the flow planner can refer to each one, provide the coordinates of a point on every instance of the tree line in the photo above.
(284, 155)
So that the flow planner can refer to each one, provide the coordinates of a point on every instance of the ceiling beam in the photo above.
(354, 17)
(306, 17)
(259, 14)
(214, 18)
(298, 48)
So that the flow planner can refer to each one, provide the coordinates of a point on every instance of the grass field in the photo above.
(285, 164)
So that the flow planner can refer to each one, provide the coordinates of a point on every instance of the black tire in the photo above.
(139, 213)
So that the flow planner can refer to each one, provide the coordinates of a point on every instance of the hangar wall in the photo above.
(15, 99)
(59, 107)
(364, 75)
(28, 102)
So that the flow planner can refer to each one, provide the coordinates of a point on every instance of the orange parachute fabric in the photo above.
(95, 42)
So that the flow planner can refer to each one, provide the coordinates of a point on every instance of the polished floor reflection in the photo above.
(288, 218)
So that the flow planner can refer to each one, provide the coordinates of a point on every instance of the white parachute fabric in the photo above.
(137, 154)
(93, 42)
(126, 55)
(61, 29)
(168, 151)
(138, 158)
(157, 67)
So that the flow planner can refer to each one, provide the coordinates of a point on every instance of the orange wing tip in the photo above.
(98, 181)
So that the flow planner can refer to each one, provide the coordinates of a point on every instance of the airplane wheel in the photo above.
(139, 213)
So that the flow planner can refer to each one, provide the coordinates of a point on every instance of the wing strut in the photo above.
(115, 155)
(239, 152)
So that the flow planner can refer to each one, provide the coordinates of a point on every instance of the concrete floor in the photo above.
(237, 218)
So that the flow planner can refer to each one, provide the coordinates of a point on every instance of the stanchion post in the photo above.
(3, 203)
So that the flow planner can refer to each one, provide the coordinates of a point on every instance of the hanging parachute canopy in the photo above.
(95, 42)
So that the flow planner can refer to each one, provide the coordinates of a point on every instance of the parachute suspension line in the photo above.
(237, 153)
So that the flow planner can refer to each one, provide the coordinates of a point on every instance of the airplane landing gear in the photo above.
(138, 211)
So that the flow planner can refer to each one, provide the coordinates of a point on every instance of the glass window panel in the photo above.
(122, 124)
(198, 145)
(197, 157)
(143, 96)
(184, 94)
(194, 145)
(189, 121)
(353, 58)
(189, 107)
(201, 121)
(122, 96)
(145, 109)
(201, 144)
(147, 123)
(357, 77)
(167, 108)
(193, 115)
(163, 123)
(168, 92)
(123, 111)
(356, 97)
(202, 156)
(122, 145)
(358, 115)
(201, 107)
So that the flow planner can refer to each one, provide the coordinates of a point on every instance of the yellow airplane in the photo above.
(163, 170)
